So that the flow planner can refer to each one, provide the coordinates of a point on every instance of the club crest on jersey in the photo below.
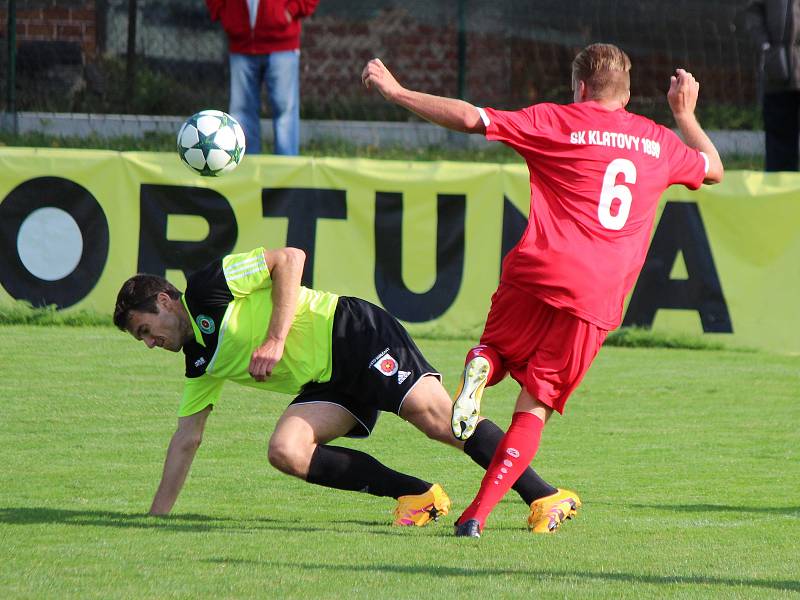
(385, 363)
(206, 324)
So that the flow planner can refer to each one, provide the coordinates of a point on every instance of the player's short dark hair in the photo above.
(139, 294)
(605, 69)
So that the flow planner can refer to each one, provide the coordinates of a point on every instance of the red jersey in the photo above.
(596, 178)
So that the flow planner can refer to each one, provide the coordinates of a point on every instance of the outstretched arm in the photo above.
(682, 98)
(451, 113)
(180, 454)
(286, 271)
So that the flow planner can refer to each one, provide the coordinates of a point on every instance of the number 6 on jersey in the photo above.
(611, 190)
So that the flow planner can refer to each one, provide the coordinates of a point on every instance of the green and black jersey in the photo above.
(230, 304)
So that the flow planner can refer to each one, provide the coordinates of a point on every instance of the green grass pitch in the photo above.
(687, 463)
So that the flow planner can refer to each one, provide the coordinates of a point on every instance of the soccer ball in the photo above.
(211, 143)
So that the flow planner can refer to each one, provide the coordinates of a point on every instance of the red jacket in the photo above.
(272, 32)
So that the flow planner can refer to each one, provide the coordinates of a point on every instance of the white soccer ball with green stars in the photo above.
(211, 143)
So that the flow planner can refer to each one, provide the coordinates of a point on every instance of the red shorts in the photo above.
(545, 349)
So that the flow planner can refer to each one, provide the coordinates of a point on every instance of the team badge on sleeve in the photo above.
(385, 363)
(206, 324)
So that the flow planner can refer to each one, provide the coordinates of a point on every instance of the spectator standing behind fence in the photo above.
(775, 26)
(264, 46)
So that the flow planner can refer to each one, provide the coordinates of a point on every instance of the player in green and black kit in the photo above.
(247, 319)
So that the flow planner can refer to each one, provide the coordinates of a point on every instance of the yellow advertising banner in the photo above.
(423, 239)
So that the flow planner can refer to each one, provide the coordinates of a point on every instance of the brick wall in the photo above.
(502, 70)
(56, 20)
(422, 55)
(335, 50)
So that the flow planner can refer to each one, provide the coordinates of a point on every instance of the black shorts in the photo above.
(375, 365)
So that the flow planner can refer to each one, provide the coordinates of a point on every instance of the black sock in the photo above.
(480, 447)
(346, 469)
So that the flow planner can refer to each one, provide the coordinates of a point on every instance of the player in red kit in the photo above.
(596, 175)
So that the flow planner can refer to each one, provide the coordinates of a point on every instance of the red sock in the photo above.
(496, 370)
(513, 455)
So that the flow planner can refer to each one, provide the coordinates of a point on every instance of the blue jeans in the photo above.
(281, 73)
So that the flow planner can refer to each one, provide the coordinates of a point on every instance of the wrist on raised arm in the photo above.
(402, 97)
(686, 119)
